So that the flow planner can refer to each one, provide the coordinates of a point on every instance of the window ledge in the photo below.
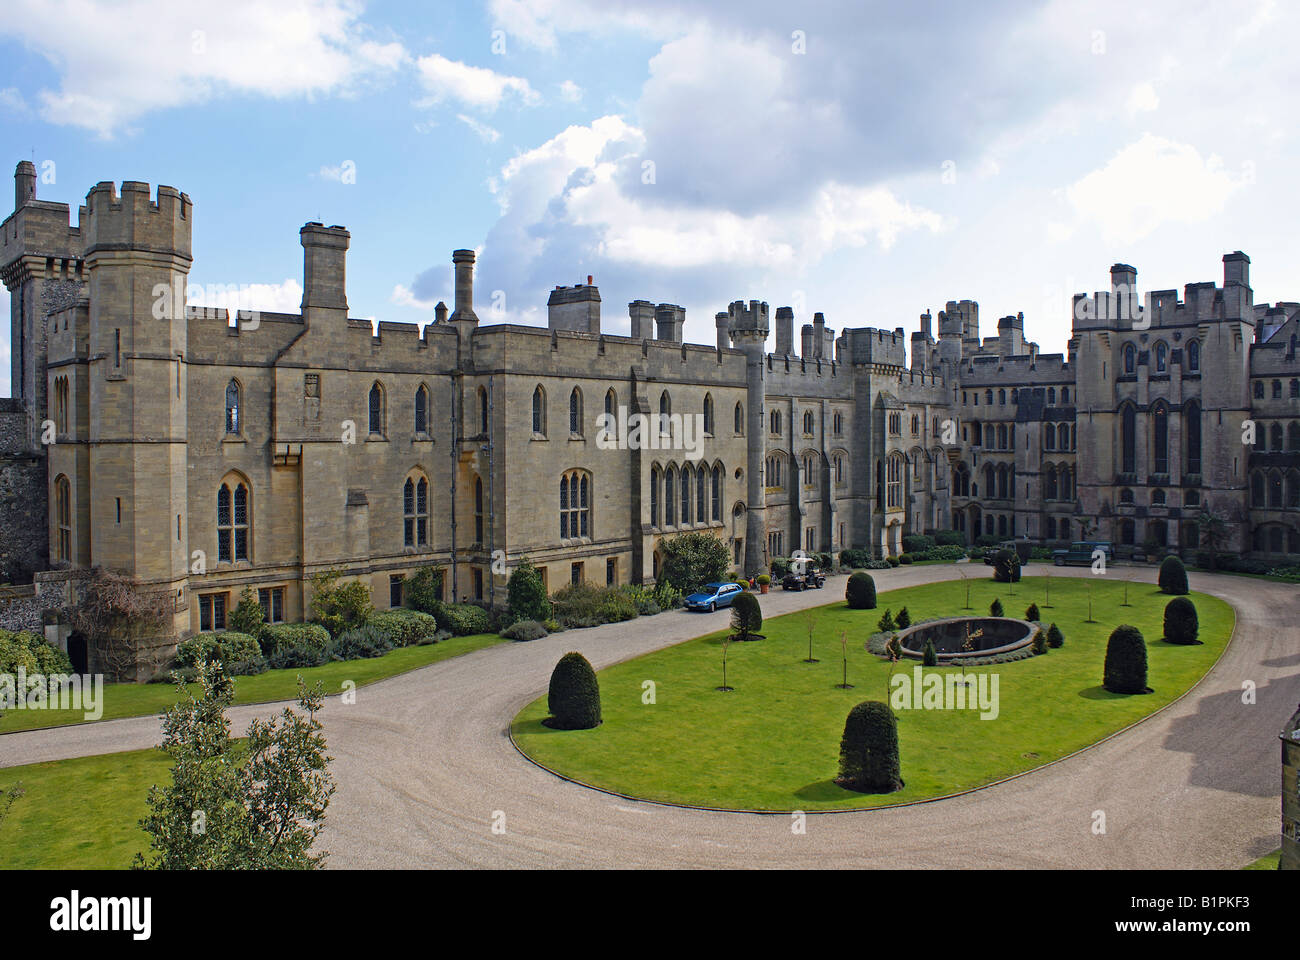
(539, 436)
(376, 438)
(234, 438)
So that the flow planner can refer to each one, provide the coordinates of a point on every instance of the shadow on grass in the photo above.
(1101, 693)
(823, 791)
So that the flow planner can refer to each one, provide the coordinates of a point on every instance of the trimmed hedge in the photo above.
(574, 695)
(854, 558)
(463, 619)
(1126, 661)
(869, 750)
(1173, 576)
(360, 643)
(277, 636)
(405, 627)
(225, 648)
(860, 592)
(1181, 623)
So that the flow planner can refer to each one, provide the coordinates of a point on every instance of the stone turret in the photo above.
(324, 275)
(749, 329)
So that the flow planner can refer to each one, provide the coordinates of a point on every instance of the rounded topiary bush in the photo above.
(1006, 566)
(524, 630)
(1181, 622)
(1054, 636)
(574, 697)
(869, 750)
(861, 591)
(1126, 661)
(1031, 613)
(928, 655)
(746, 616)
(1173, 576)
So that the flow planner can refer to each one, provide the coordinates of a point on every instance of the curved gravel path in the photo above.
(425, 769)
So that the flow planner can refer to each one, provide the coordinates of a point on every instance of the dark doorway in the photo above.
(77, 653)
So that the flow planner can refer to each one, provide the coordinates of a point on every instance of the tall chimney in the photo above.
(24, 183)
(324, 274)
(464, 261)
(722, 322)
(785, 331)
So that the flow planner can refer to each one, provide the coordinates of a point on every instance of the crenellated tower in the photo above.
(749, 329)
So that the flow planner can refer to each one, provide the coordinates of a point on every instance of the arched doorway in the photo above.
(77, 653)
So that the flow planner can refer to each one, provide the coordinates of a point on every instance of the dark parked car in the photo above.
(1081, 552)
(713, 596)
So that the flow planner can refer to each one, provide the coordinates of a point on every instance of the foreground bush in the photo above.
(1126, 661)
(33, 653)
(225, 648)
(1181, 622)
(929, 657)
(869, 750)
(1039, 643)
(247, 617)
(1173, 576)
(746, 616)
(524, 630)
(1054, 636)
(574, 695)
(690, 560)
(861, 592)
(995, 608)
(904, 619)
(339, 606)
(423, 590)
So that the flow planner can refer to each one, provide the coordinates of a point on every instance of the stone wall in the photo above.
(24, 543)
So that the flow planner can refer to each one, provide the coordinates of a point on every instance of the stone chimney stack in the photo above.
(642, 315)
(723, 322)
(819, 334)
(24, 183)
(464, 264)
(324, 274)
(574, 308)
(806, 341)
(1123, 292)
(785, 331)
(670, 318)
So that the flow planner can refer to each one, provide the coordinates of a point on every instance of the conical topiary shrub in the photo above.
(1126, 661)
(1181, 623)
(746, 617)
(904, 619)
(869, 750)
(1173, 576)
(928, 656)
(861, 591)
(995, 608)
(1054, 636)
(1039, 643)
(1032, 614)
(574, 699)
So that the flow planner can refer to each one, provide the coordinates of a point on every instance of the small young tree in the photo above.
(1006, 566)
(746, 617)
(526, 594)
(1039, 643)
(247, 616)
(886, 622)
(1126, 661)
(929, 657)
(904, 619)
(1054, 636)
(844, 660)
(1173, 576)
(574, 696)
(8, 796)
(869, 750)
(256, 806)
(860, 592)
(810, 620)
(1181, 623)
(726, 642)
(1032, 614)
(423, 590)
(995, 608)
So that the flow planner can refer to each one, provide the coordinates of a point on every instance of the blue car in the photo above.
(713, 595)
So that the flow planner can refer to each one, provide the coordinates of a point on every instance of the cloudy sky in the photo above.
(868, 160)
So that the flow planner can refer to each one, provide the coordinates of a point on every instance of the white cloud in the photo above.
(475, 87)
(118, 61)
(570, 91)
(345, 172)
(485, 133)
(12, 101)
(403, 297)
(1150, 183)
(1142, 98)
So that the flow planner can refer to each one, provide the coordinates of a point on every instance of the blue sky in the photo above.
(868, 160)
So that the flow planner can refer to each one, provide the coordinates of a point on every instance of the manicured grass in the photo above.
(142, 699)
(82, 813)
(1267, 862)
(773, 743)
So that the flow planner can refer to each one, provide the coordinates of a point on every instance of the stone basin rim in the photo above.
(1030, 628)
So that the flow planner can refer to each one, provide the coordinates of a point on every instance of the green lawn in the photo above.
(141, 699)
(773, 743)
(1267, 862)
(80, 814)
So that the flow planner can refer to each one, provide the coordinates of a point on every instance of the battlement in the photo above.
(869, 345)
(748, 322)
(137, 221)
(1121, 307)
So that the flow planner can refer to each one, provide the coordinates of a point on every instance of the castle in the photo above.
(202, 452)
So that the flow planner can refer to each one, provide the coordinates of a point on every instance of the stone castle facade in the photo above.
(202, 453)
